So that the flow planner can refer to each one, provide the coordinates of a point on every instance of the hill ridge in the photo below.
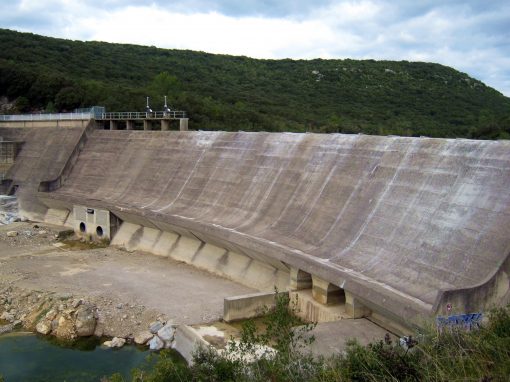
(223, 92)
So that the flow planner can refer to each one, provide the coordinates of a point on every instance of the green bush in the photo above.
(453, 355)
(230, 93)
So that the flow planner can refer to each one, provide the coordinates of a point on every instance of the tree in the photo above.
(69, 98)
(164, 84)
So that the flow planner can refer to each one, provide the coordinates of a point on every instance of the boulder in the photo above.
(65, 329)
(43, 327)
(142, 337)
(6, 328)
(85, 321)
(12, 233)
(156, 343)
(115, 342)
(155, 326)
(166, 333)
(51, 314)
(6, 316)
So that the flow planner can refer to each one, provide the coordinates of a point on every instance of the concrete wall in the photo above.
(188, 248)
(395, 221)
(237, 308)
(187, 341)
(46, 155)
(39, 124)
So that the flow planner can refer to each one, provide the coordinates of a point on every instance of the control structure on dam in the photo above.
(396, 229)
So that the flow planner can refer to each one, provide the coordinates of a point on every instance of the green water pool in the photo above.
(29, 357)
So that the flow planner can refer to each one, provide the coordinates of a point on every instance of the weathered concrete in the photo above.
(165, 124)
(406, 225)
(332, 337)
(254, 272)
(114, 125)
(310, 310)
(45, 160)
(183, 124)
(50, 123)
(187, 340)
(299, 279)
(248, 306)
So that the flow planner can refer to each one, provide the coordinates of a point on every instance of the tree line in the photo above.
(221, 92)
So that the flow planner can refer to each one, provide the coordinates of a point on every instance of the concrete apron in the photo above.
(220, 261)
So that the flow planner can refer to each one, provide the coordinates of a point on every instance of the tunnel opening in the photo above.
(99, 231)
(83, 227)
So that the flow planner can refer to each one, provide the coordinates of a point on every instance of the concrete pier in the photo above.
(183, 124)
(113, 125)
(130, 125)
(147, 124)
(165, 125)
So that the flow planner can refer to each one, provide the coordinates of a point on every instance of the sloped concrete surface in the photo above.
(396, 220)
(43, 157)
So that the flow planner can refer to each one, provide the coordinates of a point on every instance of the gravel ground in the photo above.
(129, 289)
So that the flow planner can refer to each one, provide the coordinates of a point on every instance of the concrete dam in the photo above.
(394, 228)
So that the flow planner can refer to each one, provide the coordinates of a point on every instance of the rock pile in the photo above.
(67, 317)
(49, 313)
(159, 336)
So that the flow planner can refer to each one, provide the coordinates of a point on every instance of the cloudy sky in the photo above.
(471, 36)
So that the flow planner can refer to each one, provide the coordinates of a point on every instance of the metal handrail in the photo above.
(46, 117)
(131, 115)
(126, 115)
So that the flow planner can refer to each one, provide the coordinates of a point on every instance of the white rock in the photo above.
(116, 342)
(51, 314)
(43, 327)
(156, 343)
(142, 337)
(155, 326)
(12, 233)
(166, 333)
(7, 316)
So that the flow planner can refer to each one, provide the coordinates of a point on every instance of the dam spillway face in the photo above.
(396, 226)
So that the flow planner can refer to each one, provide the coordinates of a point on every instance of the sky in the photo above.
(470, 36)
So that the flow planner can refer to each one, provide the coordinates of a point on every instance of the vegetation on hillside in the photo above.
(223, 92)
(454, 355)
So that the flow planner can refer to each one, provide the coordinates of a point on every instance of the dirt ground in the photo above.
(129, 289)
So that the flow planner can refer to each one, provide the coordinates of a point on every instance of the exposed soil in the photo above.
(130, 290)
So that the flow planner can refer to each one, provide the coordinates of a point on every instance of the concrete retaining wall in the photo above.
(248, 306)
(39, 124)
(45, 155)
(188, 248)
(187, 340)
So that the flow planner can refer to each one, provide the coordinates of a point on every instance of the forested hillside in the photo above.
(223, 92)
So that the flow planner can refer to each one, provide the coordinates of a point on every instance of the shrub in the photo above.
(453, 355)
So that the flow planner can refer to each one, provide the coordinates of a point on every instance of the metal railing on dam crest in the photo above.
(48, 117)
